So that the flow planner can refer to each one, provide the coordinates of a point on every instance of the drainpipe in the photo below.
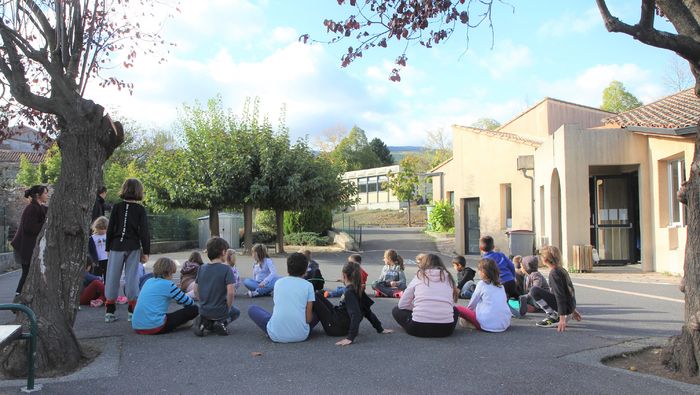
(532, 194)
(525, 163)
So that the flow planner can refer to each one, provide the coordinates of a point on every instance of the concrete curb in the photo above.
(594, 357)
(105, 365)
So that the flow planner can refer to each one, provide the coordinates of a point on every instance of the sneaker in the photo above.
(109, 317)
(398, 294)
(129, 316)
(378, 294)
(198, 326)
(122, 300)
(220, 328)
(523, 305)
(548, 322)
(252, 294)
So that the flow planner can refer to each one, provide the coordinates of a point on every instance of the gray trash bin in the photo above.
(521, 242)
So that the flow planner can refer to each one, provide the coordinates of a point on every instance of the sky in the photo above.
(248, 48)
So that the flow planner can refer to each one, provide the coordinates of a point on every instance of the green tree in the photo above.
(201, 174)
(354, 152)
(616, 98)
(50, 168)
(381, 151)
(405, 183)
(486, 124)
(27, 174)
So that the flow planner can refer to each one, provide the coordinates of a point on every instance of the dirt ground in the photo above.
(648, 361)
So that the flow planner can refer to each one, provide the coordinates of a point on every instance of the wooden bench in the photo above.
(12, 332)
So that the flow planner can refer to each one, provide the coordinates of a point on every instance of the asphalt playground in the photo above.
(621, 312)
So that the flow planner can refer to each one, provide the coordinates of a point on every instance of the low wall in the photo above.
(343, 240)
(7, 262)
(162, 247)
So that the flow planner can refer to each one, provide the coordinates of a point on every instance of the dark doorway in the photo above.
(614, 217)
(470, 219)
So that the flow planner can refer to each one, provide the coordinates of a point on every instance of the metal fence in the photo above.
(350, 227)
(172, 228)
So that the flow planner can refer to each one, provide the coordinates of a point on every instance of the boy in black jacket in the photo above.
(561, 302)
(465, 277)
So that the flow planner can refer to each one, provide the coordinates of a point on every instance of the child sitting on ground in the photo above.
(215, 291)
(505, 266)
(231, 261)
(561, 302)
(293, 300)
(488, 309)
(392, 281)
(344, 319)
(465, 277)
(93, 292)
(533, 278)
(340, 290)
(96, 246)
(264, 273)
(188, 273)
(519, 274)
(151, 315)
(313, 272)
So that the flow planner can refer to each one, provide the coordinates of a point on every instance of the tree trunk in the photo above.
(248, 227)
(52, 289)
(683, 353)
(214, 221)
(409, 213)
(279, 219)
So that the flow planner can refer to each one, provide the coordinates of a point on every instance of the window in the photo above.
(676, 176)
(362, 185)
(382, 189)
(451, 198)
(372, 184)
(506, 206)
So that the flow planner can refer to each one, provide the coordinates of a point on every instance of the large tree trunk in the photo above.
(683, 353)
(53, 287)
(248, 227)
(214, 221)
(279, 219)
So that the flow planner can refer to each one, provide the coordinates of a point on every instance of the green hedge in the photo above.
(306, 239)
(316, 220)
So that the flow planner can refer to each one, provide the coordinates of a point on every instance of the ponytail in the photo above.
(394, 258)
(351, 270)
(35, 191)
(399, 261)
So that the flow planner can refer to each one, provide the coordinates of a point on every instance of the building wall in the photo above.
(547, 116)
(570, 152)
(669, 241)
(448, 181)
(480, 166)
(375, 196)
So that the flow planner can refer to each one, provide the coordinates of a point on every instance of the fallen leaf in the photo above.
(256, 354)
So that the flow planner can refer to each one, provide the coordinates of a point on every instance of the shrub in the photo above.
(316, 220)
(306, 239)
(264, 237)
(441, 216)
(265, 221)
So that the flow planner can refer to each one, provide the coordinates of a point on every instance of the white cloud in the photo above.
(587, 87)
(505, 59)
(569, 23)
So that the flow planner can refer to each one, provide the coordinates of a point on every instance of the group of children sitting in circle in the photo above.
(427, 305)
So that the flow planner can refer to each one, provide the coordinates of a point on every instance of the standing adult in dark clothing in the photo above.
(98, 210)
(33, 218)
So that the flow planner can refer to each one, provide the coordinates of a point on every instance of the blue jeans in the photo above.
(337, 292)
(233, 314)
(261, 317)
(468, 289)
(255, 286)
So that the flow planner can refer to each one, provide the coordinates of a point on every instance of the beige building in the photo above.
(555, 170)
(372, 192)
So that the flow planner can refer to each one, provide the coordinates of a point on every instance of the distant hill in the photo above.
(399, 152)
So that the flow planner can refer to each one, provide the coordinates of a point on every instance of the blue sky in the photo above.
(242, 48)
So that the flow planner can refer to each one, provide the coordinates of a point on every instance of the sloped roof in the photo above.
(14, 156)
(436, 168)
(516, 138)
(677, 111)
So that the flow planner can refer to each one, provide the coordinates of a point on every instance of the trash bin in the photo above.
(521, 242)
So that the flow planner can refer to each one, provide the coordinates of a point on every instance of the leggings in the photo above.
(173, 320)
(538, 293)
(25, 271)
(334, 324)
(128, 261)
(469, 315)
(94, 290)
(423, 329)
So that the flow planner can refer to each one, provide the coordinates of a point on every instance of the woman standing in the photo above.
(33, 218)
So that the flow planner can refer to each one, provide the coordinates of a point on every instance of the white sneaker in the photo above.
(252, 294)
(109, 318)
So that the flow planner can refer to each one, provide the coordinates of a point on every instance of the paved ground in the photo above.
(524, 359)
